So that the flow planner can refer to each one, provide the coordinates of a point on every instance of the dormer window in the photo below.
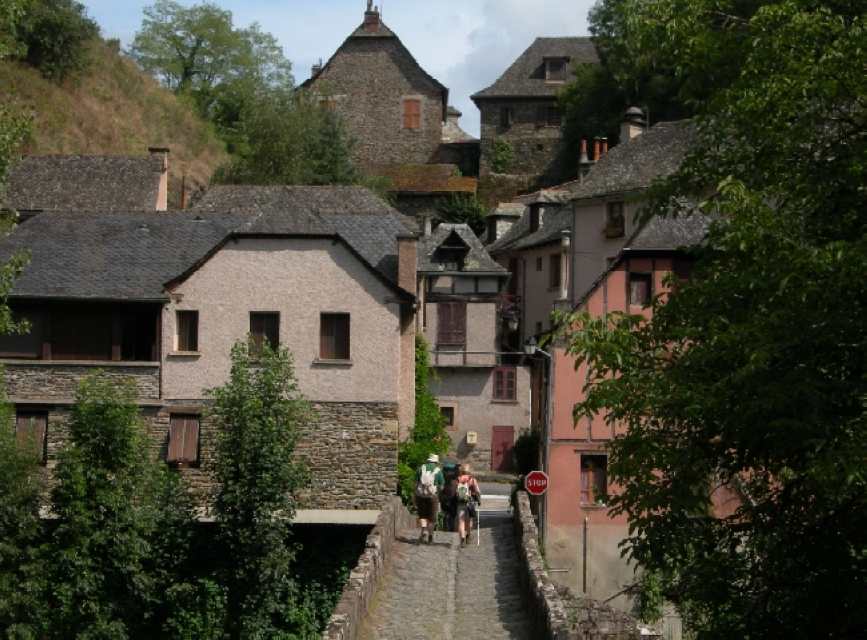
(555, 69)
(535, 217)
(452, 253)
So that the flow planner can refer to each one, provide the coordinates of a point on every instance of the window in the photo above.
(452, 324)
(682, 268)
(31, 428)
(188, 331)
(548, 116)
(334, 336)
(555, 274)
(507, 117)
(615, 224)
(538, 328)
(505, 387)
(412, 113)
(594, 479)
(264, 329)
(539, 263)
(448, 414)
(555, 70)
(535, 218)
(640, 288)
(26, 345)
(183, 439)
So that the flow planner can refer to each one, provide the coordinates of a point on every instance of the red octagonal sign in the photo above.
(536, 483)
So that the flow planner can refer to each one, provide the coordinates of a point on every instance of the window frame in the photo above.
(447, 406)
(505, 384)
(555, 274)
(615, 219)
(255, 344)
(186, 454)
(190, 313)
(563, 72)
(411, 121)
(642, 276)
(507, 117)
(329, 316)
(42, 441)
(589, 480)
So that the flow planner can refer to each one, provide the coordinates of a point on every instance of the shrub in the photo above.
(54, 35)
(502, 156)
(526, 451)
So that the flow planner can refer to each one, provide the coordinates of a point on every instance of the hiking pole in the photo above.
(478, 525)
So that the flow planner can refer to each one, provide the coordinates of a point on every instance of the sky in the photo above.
(465, 44)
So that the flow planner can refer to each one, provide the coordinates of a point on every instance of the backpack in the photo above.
(427, 487)
(463, 492)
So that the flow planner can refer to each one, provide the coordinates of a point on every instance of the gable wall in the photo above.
(368, 79)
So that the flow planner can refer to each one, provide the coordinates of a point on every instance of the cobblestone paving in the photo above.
(441, 591)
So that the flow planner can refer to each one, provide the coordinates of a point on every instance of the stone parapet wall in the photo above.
(364, 579)
(54, 379)
(562, 615)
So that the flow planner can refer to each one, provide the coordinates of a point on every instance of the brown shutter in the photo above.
(30, 430)
(341, 336)
(177, 427)
(326, 337)
(411, 114)
(191, 439)
(452, 323)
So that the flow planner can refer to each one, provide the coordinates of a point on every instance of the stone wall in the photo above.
(53, 379)
(350, 450)
(561, 615)
(365, 577)
(537, 147)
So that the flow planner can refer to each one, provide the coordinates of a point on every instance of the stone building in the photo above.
(89, 183)
(327, 272)
(392, 107)
(520, 117)
(483, 392)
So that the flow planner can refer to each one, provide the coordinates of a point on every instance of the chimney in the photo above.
(597, 148)
(316, 69)
(162, 153)
(583, 161)
(633, 124)
(183, 191)
(604, 146)
(371, 18)
(406, 263)
(426, 224)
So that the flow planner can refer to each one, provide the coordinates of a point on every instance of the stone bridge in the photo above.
(496, 588)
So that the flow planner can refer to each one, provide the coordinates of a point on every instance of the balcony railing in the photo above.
(454, 358)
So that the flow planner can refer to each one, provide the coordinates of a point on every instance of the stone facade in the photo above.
(536, 143)
(366, 82)
(57, 379)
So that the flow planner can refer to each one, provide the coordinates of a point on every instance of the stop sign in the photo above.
(536, 483)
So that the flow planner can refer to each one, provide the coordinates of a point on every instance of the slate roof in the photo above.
(635, 164)
(425, 178)
(93, 183)
(133, 255)
(123, 256)
(476, 261)
(555, 220)
(526, 76)
(382, 32)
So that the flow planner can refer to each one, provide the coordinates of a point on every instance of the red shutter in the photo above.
(412, 114)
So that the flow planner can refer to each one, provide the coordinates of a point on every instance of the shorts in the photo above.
(427, 507)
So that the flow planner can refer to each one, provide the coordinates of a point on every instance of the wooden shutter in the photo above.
(452, 323)
(264, 326)
(183, 439)
(30, 430)
(334, 336)
(412, 113)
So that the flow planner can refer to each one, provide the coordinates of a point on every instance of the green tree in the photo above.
(197, 51)
(462, 208)
(54, 35)
(753, 375)
(121, 523)
(21, 572)
(258, 414)
(287, 138)
(429, 433)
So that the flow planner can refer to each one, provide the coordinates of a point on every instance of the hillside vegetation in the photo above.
(113, 108)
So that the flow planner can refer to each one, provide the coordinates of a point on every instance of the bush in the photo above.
(462, 208)
(502, 157)
(54, 35)
(526, 451)
(429, 433)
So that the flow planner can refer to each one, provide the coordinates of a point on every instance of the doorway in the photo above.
(502, 439)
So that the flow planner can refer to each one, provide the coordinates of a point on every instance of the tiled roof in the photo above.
(477, 259)
(526, 76)
(425, 178)
(93, 183)
(507, 210)
(636, 163)
(555, 221)
(133, 255)
(123, 256)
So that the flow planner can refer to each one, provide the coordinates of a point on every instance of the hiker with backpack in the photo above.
(468, 496)
(429, 482)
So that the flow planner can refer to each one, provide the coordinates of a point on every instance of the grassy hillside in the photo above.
(114, 109)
